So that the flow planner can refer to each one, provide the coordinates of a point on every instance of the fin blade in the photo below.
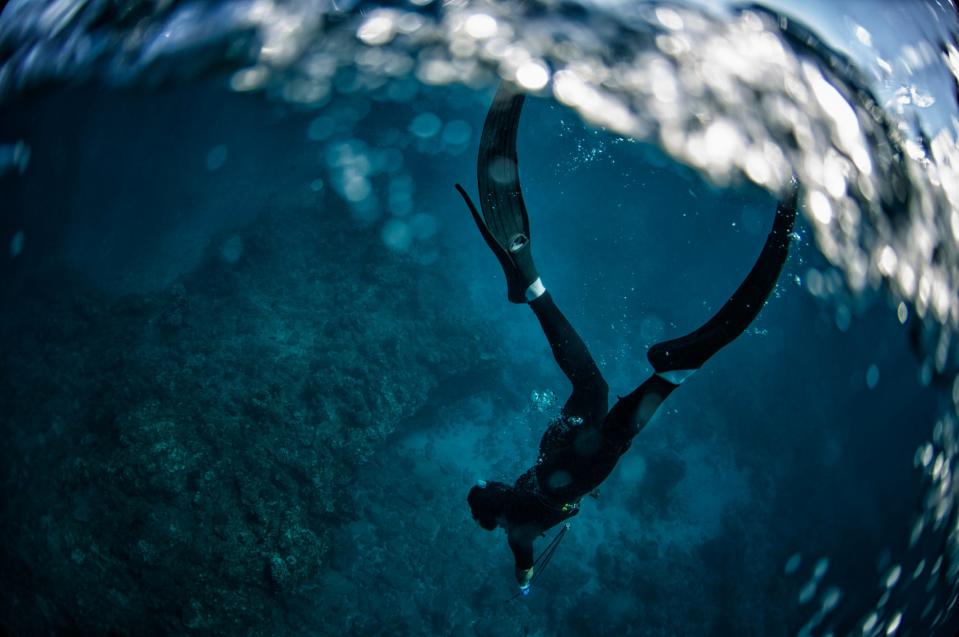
(501, 195)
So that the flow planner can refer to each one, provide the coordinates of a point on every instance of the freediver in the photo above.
(582, 446)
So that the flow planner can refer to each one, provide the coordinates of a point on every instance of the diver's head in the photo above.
(489, 502)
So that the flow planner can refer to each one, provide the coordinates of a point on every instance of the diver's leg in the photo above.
(675, 359)
(590, 396)
(634, 411)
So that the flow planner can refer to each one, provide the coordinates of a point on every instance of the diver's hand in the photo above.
(523, 578)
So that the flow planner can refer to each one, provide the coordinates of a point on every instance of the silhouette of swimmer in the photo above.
(580, 448)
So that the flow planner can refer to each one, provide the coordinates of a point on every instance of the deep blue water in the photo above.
(234, 402)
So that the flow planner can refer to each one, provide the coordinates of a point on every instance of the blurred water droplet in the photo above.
(831, 598)
(893, 576)
(425, 125)
(792, 564)
(456, 132)
(872, 376)
(894, 623)
(396, 234)
(16, 244)
(321, 128)
(669, 18)
(232, 249)
(843, 318)
(216, 157)
(378, 28)
(821, 567)
(820, 207)
(502, 170)
(356, 188)
(902, 312)
(815, 282)
(249, 79)
(14, 157)
(402, 90)
(532, 75)
(423, 226)
(481, 26)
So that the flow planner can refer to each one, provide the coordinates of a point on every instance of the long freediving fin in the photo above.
(675, 359)
(505, 223)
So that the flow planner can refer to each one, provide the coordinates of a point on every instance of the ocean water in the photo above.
(253, 352)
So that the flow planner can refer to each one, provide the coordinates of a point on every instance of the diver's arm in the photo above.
(523, 555)
(522, 552)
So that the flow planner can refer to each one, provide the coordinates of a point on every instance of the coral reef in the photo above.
(176, 461)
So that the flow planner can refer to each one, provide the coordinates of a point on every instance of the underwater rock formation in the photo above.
(176, 461)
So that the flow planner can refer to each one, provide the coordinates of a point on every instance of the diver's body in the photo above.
(582, 446)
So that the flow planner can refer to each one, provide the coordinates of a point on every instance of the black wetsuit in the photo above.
(581, 447)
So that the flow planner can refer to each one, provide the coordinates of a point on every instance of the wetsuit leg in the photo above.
(590, 397)
(674, 359)
(633, 411)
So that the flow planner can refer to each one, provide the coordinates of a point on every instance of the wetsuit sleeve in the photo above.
(590, 392)
(522, 552)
